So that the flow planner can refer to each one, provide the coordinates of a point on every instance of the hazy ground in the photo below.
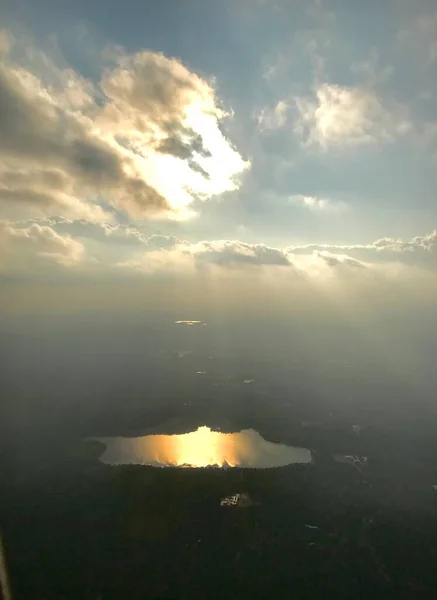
(75, 528)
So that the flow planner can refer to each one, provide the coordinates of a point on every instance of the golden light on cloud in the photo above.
(166, 119)
(210, 172)
(148, 138)
(202, 448)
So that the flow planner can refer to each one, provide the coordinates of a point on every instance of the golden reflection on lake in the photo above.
(202, 448)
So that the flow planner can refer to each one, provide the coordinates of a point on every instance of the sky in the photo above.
(240, 155)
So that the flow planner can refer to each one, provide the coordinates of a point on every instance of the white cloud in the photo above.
(230, 255)
(109, 234)
(339, 116)
(38, 192)
(226, 255)
(170, 272)
(141, 247)
(271, 119)
(169, 120)
(152, 115)
(235, 253)
(346, 116)
(317, 204)
(335, 260)
(308, 260)
(426, 243)
(273, 69)
(134, 250)
(25, 246)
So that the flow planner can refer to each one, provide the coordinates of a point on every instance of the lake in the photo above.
(202, 448)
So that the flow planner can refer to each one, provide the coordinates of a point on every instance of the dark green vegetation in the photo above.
(76, 529)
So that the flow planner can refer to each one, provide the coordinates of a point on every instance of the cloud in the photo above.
(169, 120)
(168, 247)
(165, 271)
(116, 234)
(65, 145)
(427, 243)
(104, 233)
(184, 257)
(317, 204)
(346, 116)
(234, 255)
(23, 247)
(108, 234)
(307, 260)
(38, 135)
(336, 116)
(145, 245)
(419, 251)
(162, 241)
(41, 192)
(339, 260)
(133, 249)
(270, 119)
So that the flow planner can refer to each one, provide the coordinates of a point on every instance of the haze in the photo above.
(274, 181)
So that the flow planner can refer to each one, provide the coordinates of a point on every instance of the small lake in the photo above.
(202, 448)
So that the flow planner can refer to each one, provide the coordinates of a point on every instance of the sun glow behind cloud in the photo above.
(147, 139)
(175, 131)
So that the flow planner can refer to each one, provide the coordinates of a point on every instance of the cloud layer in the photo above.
(102, 248)
(37, 245)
